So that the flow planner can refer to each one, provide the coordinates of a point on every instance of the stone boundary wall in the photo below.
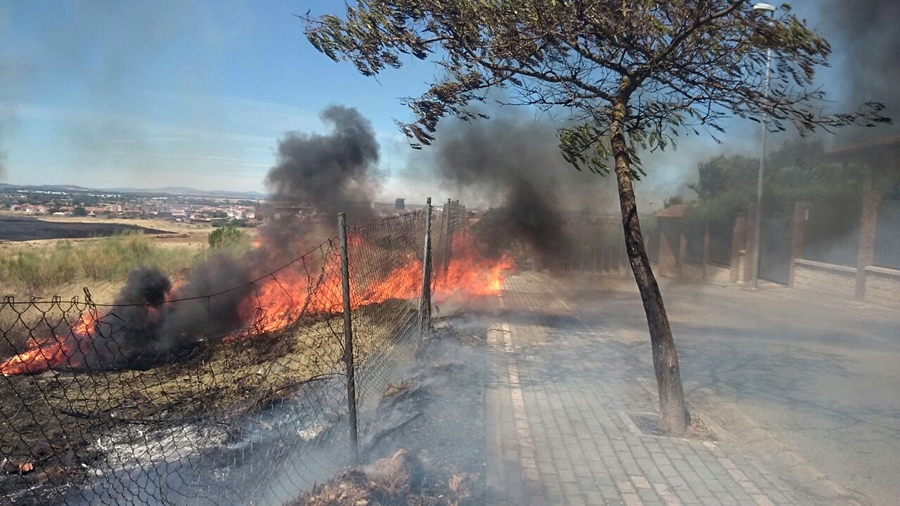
(883, 286)
(824, 278)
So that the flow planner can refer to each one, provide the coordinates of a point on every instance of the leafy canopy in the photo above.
(796, 171)
(652, 69)
(225, 237)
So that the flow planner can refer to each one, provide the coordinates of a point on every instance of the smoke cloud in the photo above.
(865, 37)
(334, 172)
(155, 321)
(519, 162)
(145, 330)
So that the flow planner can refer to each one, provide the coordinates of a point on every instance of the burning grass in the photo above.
(204, 348)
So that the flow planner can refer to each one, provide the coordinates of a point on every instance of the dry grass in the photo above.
(45, 269)
(50, 267)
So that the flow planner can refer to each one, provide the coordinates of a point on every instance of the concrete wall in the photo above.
(825, 278)
(883, 286)
(669, 248)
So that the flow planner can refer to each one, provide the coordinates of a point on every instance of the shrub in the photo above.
(225, 237)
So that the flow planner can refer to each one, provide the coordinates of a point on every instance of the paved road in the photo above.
(564, 406)
(810, 383)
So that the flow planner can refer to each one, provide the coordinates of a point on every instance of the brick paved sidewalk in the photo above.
(559, 430)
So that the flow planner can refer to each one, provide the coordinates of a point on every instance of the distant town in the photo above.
(192, 206)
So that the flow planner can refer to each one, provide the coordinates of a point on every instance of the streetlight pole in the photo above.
(757, 222)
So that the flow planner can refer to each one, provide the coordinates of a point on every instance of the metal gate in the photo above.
(775, 250)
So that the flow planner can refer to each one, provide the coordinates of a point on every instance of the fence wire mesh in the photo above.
(452, 223)
(206, 391)
(386, 287)
(695, 237)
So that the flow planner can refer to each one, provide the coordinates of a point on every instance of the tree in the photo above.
(79, 211)
(633, 75)
(796, 171)
(224, 237)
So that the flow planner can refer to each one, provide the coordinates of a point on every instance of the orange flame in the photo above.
(55, 352)
(278, 302)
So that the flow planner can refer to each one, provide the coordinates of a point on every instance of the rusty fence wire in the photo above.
(226, 386)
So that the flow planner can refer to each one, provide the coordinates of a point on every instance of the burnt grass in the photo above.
(49, 422)
(435, 412)
(14, 228)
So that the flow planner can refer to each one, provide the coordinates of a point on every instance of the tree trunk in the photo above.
(673, 414)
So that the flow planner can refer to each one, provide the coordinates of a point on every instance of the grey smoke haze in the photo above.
(515, 161)
(520, 163)
(336, 172)
(866, 40)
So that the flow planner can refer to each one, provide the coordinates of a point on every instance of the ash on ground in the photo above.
(426, 446)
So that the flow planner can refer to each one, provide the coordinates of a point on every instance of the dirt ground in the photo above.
(174, 234)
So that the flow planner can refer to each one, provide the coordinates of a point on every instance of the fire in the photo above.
(277, 302)
(469, 274)
(51, 353)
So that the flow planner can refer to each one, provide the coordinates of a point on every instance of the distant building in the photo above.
(400, 204)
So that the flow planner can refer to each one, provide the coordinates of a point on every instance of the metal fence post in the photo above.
(583, 238)
(454, 225)
(464, 217)
(425, 304)
(348, 337)
(448, 210)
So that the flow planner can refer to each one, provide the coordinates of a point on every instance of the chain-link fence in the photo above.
(386, 281)
(453, 222)
(207, 391)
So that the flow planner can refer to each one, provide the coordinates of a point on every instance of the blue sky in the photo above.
(151, 94)
(172, 93)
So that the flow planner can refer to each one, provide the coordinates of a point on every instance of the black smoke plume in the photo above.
(867, 43)
(155, 322)
(146, 330)
(521, 162)
(334, 172)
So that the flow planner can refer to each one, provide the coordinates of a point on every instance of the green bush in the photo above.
(225, 237)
